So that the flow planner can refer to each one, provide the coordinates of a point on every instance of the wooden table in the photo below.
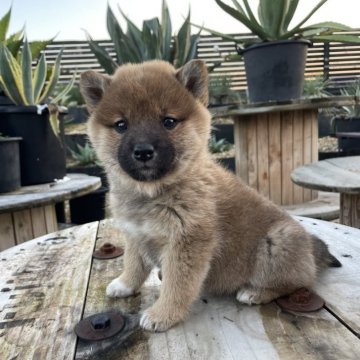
(30, 211)
(340, 175)
(48, 284)
(272, 139)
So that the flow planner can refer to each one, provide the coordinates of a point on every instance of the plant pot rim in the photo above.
(277, 42)
(21, 109)
(10, 138)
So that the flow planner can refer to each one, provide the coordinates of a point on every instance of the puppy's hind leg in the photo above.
(135, 273)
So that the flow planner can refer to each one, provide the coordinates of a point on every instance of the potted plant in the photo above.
(220, 92)
(33, 114)
(10, 163)
(223, 152)
(346, 122)
(274, 54)
(14, 42)
(89, 207)
(153, 41)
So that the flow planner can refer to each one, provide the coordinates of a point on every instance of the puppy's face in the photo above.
(148, 120)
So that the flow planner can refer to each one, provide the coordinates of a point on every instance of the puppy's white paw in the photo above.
(118, 289)
(152, 320)
(247, 296)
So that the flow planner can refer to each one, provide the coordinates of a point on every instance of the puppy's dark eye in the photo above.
(169, 123)
(121, 126)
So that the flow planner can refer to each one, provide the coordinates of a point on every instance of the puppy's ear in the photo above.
(194, 76)
(92, 87)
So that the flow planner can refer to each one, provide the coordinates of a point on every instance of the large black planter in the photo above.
(275, 70)
(42, 155)
(10, 164)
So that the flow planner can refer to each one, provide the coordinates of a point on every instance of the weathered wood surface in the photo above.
(335, 175)
(269, 146)
(46, 194)
(42, 288)
(290, 105)
(217, 328)
(338, 175)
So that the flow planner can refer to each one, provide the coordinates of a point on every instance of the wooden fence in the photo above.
(335, 61)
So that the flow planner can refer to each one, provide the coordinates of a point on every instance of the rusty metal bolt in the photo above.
(108, 251)
(100, 322)
(302, 300)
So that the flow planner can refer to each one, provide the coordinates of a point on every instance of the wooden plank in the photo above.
(287, 196)
(47, 278)
(50, 218)
(22, 226)
(350, 210)
(262, 128)
(340, 287)
(252, 152)
(307, 154)
(313, 115)
(102, 273)
(298, 133)
(275, 157)
(38, 221)
(241, 147)
(7, 235)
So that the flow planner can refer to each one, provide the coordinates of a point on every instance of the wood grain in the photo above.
(22, 226)
(7, 234)
(241, 147)
(252, 153)
(38, 221)
(47, 280)
(262, 128)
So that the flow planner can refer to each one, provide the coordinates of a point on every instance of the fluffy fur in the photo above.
(183, 212)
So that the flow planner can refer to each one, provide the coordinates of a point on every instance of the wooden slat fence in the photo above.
(335, 61)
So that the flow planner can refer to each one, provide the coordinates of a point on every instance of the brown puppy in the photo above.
(182, 212)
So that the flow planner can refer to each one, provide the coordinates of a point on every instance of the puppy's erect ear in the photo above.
(92, 87)
(194, 76)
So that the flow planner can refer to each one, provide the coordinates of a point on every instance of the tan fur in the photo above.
(200, 224)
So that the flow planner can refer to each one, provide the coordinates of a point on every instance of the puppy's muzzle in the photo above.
(143, 152)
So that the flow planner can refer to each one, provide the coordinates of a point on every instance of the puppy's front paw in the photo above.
(248, 296)
(118, 289)
(154, 320)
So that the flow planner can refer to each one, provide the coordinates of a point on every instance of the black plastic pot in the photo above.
(275, 70)
(42, 153)
(348, 145)
(10, 164)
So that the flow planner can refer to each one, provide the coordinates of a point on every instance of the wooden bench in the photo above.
(48, 284)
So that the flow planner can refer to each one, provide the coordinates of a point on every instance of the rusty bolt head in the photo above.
(108, 251)
(302, 300)
(100, 326)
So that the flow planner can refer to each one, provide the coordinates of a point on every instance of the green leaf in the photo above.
(14, 46)
(54, 77)
(193, 47)
(166, 32)
(4, 25)
(11, 79)
(152, 35)
(65, 91)
(39, 78)
(293, 4)
(338, 38)
(272, 15)
(26, 68)
(254, 27)
(38, 46)
(104, 59)
(183, 42)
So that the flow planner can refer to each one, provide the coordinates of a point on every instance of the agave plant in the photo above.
(153, 41)
(16, 40)
(352, 90)
(273, 21)
(26, 85)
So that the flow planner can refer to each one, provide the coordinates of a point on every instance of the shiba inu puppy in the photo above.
(182, 212)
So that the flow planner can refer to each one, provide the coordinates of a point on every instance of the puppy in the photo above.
(182, 212)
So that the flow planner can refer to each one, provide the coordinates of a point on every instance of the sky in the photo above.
(67, 19)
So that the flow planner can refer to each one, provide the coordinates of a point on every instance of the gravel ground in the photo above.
(327, 144)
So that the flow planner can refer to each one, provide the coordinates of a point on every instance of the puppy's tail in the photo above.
(323, 257)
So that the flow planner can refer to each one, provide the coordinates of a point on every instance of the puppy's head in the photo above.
(148, 120)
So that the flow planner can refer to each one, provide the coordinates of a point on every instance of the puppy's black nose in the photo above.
(143, 152)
